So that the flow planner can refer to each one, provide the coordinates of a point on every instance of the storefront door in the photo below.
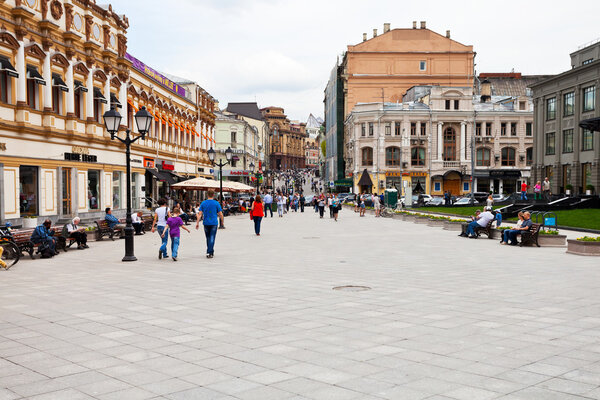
(66, 191)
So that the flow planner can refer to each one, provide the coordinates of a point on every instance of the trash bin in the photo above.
(391, 197)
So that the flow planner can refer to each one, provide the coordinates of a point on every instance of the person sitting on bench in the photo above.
(525, 226)
(77, 233)
(481, 221)
(44, 236)
(136, 221)
(112, 221)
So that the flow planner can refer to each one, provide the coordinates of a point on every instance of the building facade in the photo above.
(287, 141)
(312, 153)
(63, 65)
(334, 163)
(426, 142)
(565, 153)
(250, 113)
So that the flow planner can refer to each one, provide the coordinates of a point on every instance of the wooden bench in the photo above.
(22, 238)
(479, 229)
(147, 219)
(530, 237)
(105, 230)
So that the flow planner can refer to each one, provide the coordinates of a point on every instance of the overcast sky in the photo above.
(281, 52)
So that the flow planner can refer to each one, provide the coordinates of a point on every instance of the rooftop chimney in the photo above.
(448, 34)
(386, 27)
(414, 24)
(374, 32)
(423, 25)
(365, 37)
(486, 90)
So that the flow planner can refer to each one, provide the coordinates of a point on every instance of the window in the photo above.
(99, 99)
(586, 175)
(529, 156)
(32, 94)
(388, 129)
(588, 61)
(4, 87)
(508, 157)
(363, 130)
(423, 129)
(417, 156)
(370, 129)
(566, 175)
(483, 157)
(465, 186)
(413, 128)
(116, 178)
(551, 109)
(78, 108)
(392, 156)
(522, 106)
(503, 129)
(93, 189)
(367, 156)
(456, 102)
(422, 65)
(568, 104)
(550, 145)
(28, 190)
(478, 129)
(587, 140)
(437, 186)
(589, 98)
(513, 129)
(447, 104)
(56, 100)
(567, 146)
(488, 130)
(397, 128)
(449, 144)
(233, 137)
(528, 131)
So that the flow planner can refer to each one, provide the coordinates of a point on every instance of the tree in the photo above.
(324, 148)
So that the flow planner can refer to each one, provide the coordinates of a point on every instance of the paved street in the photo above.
(446, 318)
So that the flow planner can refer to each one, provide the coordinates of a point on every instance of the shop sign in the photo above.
(80, 150)
(166, 165)
(2, 146)
(149, 72)
(498, 173)
(239, 172)
(137, 160)
(148, 162)
(80, 157)
(418, 174)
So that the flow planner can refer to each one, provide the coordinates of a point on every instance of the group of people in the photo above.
(46, 238)
(332, 201)
(481, 220)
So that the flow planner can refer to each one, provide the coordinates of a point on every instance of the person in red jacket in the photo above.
(257, 213)
(524, 190)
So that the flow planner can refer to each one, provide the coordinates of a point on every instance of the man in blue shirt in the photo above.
(268, 203)
(43, 235)
(210, 213)
(112, 221)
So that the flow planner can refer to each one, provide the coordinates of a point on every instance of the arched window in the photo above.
(508, 157)
(417, 156)
(483, 157)
(529, 156)
(367, 156)
(449, 144)
(392, 156)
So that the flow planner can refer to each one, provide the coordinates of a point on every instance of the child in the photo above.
(173, 224)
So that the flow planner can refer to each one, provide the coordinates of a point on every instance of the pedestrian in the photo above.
(376, 204)
(280, 204)
(489, 201)
(302, 200)
(211, 213)
(257, 214)
(173, 224)
(329, 203)
(546, 189)
(161, 214)
(321, 205)
(336, 207)
(524, 190)
(537, 191)
(363, 206)
(268, 204)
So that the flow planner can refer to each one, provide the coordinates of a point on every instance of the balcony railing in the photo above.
(452, 164)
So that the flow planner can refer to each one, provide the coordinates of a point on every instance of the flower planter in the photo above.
(453, 226)
(583, 248)
(30, 223)
(435, 222)
(552, 240)
(421, 220)
(92, 236)
(497, 233)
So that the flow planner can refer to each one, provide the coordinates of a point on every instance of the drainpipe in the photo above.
(473, 156)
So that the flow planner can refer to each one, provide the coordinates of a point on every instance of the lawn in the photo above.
(470, 210)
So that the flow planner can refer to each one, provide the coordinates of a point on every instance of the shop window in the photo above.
(367, 156)
(28, 190)
(418, 184)
(508, 157)
(116, 179)
(93, 189)
(483, 157)
(417, 156)
(392, 156)
(529, 156)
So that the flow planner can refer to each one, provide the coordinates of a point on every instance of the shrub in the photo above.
(589, 239)
(553, 232)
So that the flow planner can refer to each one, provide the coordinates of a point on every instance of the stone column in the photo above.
(463, 139)
(90, 96)
(124, 104)
(71, 93)
(47, 73)
(440, 144)
(108, 105)
(22, 70)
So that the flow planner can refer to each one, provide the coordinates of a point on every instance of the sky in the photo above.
(281, 52)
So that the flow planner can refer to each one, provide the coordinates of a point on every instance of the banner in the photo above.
(149, 72)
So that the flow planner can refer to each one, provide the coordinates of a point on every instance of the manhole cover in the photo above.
(352, 288)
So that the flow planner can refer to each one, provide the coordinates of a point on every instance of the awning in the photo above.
(114, 101)
(174, 176)
(59, 83)
(161, 176)
(32, 73)
(365, 179)
(79, 86)
(98, 96)
(7, 67)
(592, 124)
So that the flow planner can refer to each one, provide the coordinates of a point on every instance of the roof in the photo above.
(177, 79)
(249, 110)
(365, 179)
(313, 122)
(511, 84)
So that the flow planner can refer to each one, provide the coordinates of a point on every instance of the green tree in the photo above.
(324, 148)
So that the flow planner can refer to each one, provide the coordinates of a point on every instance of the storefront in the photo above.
(498, 181)
(417, 180)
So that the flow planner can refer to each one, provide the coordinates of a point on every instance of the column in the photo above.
(90, 96)
(71, 93)
(47, 73)
(483, 128)
(108, 105)
(22, 79)
(440, 140)
(124, 104)
(463, 139)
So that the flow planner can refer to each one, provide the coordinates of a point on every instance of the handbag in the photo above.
(251, 216)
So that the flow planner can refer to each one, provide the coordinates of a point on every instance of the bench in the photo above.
(530, 237)
(147, 220)
(479, 229)
(22, 238)
(105, 230)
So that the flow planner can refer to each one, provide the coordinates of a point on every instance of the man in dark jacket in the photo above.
(44, 236)
(302, 200)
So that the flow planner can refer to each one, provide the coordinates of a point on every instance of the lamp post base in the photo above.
(129, 258)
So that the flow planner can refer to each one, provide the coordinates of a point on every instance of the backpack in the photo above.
(45, 251)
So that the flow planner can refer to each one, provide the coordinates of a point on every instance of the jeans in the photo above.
(174, 246)
(268, 209)
(280, 209)
(211, 233)
(506, 234)
(523, 195)
(257, 221)
(138, 226)
(321, 211)
(471, 228)
(512, 236)
(301, 206)
(165, 240)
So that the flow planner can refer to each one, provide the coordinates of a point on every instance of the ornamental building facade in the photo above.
(287, 140)
(65, 63)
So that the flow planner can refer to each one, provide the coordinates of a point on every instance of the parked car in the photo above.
(415, 199)
(367, 199)
(350, 198)
(436, 201)
(498, 198)
(464, 201)
(425, 198)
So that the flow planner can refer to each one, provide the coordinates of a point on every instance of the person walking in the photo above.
(302, 200)
(211, 213)
(173, 224)
(376, 204)
(546, 189)
(489, 201)
(363, 206)
(161, 214)
(524, 191)
(268, 204)
(321, 205)
(336, 205)
(329, 203)
(537, 189)
(257, 214)
(280, 205)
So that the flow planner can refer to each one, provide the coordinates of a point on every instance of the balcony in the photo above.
(452, 164)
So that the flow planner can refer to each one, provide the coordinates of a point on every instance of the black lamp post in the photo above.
(112, 121)
(256, 175)
(221, 164)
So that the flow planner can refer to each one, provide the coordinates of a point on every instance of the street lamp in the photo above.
(256, 176)
(221, 164)
(112, 122)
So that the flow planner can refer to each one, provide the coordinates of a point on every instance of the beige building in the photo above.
(287, 140)
(64, 65)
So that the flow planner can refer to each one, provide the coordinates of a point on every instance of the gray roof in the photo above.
(177, 79)
(508, 86)
(249, 110)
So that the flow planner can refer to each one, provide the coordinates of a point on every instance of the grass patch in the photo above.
(466, 211)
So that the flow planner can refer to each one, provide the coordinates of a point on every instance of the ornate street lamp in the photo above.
(256, 176)
(112, 122)
(211, 156)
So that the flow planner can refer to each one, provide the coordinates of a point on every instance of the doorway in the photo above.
(66, 191)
